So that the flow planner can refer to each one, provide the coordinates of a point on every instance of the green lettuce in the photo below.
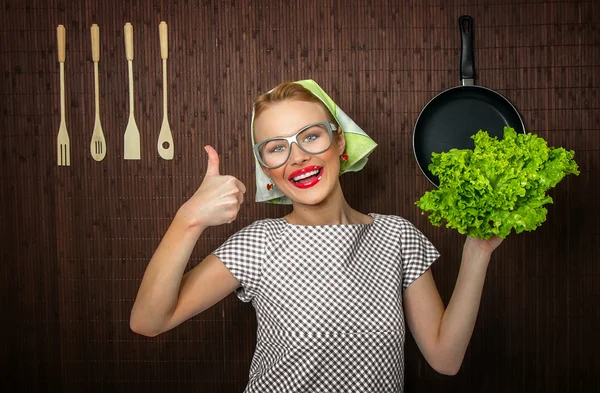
(498, 186)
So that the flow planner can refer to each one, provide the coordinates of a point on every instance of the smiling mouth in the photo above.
(306, 177)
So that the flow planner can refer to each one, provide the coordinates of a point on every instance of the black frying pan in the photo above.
(453, 116)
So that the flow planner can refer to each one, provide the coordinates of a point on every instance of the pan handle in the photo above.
(467, 58)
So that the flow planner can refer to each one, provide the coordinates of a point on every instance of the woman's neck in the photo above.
(334, 210)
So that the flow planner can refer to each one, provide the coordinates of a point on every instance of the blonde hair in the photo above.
(288, 91)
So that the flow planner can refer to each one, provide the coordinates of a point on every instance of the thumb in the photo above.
(213, 161)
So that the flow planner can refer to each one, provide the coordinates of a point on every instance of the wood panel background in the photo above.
(76, 240)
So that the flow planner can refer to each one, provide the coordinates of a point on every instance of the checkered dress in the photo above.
(328, 301)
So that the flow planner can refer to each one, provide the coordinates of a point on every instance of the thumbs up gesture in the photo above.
(218, 199)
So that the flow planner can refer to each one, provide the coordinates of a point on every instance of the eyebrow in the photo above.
(293, 132)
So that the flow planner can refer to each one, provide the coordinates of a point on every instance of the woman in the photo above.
(332, 287)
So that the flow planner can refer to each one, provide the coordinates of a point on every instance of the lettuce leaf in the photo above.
(498, 186)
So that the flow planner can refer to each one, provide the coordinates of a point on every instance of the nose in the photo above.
(297, 155)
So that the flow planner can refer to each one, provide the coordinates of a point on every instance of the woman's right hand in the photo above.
(218, 199)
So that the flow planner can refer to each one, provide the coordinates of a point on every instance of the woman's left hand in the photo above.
(488, 246)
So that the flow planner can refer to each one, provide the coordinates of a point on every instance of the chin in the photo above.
(309, 200)
(311, 197)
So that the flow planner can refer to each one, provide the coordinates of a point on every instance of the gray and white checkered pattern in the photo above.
(328, 301)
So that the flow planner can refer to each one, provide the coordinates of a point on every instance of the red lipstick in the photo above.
(306, 177)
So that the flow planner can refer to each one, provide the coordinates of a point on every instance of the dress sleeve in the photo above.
(243, 255)
(417, 253)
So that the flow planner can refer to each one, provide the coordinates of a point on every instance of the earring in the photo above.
(344, 157)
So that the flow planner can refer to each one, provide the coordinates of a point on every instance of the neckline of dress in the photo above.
(374, 216)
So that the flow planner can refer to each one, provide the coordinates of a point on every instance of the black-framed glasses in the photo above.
(314, 138)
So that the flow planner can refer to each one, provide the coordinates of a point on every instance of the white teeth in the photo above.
(307, 174)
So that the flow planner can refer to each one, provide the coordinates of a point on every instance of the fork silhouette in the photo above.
(63, 145)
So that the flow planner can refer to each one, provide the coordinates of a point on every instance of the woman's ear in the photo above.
(341, 141)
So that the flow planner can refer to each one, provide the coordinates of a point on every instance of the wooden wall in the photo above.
(76, 240)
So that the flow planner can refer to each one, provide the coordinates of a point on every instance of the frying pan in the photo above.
(450, 119)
